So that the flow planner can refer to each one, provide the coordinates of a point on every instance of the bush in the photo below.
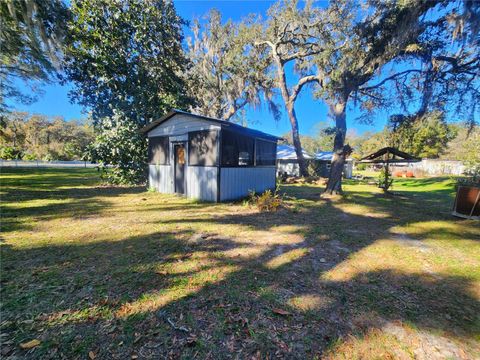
(29, 157)
(10, 153)
(268, 201)
(120, 144)
(360, 166)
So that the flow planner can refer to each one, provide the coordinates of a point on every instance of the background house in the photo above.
(287, 160)
(209, 159)
(320, 162)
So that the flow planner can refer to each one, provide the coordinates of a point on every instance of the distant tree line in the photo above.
(428, 137)
(38, 137)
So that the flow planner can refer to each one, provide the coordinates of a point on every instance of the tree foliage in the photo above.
(320, 140)
(465, 146)
(127, 56)
(37, 137)
(126, 62)
(227, 72)
(120, 143)
(425, 137)
(360, 44)
(31, 36)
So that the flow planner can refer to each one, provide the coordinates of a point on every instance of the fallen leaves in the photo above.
(281, 312)
(91, 355)
(30, 344)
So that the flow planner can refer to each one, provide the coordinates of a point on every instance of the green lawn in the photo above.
(121, 273)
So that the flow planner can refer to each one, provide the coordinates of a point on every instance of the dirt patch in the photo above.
(406, 240)
(425, 345)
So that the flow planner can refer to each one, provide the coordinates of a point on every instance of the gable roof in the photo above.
(324, 155)
(404, 157)
(224, 124)
(287, 152)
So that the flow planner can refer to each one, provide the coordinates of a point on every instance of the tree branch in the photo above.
(392, 77)
(301, 83)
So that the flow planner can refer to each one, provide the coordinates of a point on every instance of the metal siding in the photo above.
(202, 182)
(160, 177)
(235, 183)
(182, 124)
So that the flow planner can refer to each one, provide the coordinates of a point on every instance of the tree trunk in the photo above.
(340, 150)
(296, 140)
(289, 105)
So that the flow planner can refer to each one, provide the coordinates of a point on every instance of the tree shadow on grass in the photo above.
(225, 290)
(72, 202)
(120, 298)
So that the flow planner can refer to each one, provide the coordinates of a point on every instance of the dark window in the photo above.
(237, 150)
(202, 148)
(158, 150)
(265, 152)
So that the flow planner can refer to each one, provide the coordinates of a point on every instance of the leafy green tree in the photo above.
(31, 37)
(368, 143)
(465, 146)
(10, 153)
(324, 135)
(120, 143)
(227, 73)
(425, 137)
(321, 140)
(125, 57)
(309, 144)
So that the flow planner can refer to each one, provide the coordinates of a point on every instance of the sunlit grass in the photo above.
(86, 267)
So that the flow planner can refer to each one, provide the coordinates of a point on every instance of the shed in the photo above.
(208, 159)
(324, 159)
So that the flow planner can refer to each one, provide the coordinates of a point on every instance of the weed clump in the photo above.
(268, 201)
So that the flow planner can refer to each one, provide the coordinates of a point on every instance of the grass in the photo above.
(126, 272)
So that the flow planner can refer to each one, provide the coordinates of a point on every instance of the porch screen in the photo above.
(202, 148)
(158, 150)
(265, 152)
(237, 150)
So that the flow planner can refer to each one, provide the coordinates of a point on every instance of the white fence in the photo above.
(433, 167)
(40, 163)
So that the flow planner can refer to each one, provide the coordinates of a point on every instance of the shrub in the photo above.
(268, 201)
(29, 157)
(385, 179)
(120, 144)
(10, 153)
(360, 166)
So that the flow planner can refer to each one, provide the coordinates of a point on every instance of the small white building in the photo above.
(287, 162)
(208, 159)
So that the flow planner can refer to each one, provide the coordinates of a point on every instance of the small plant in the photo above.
(267, 201)
(385, 179)
(360, 166)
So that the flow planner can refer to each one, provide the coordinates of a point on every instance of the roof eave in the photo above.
(223, 123)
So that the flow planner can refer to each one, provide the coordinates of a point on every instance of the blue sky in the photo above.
(310, 111)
